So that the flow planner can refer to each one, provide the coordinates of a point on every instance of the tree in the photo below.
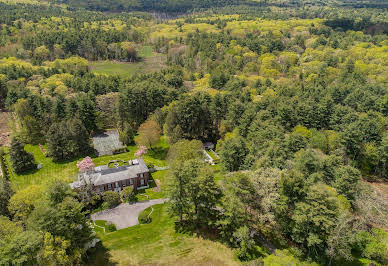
(54, 251)
(21, 160)
(373, 245)
(266, 183)
(23, 202)
(239, 194)
(127, 135)
(346, 182)
(149, 134)
(86, 164)
(21, 249)
(41, 54)
(74, 226)
(245, 242)
(3, 90)
(193, 193)
(127, 194)
(185, 150)
(57, 191)
(111, 199)
(315, 218)
(181, 174)
(59, 107)
(141, 151)
(67, 139)
(205, 196)
(6, 193)
(233, 154)
(87, 112)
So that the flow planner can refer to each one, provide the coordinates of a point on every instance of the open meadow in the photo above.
(149, 62)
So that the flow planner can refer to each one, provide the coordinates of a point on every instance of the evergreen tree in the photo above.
(21, 160)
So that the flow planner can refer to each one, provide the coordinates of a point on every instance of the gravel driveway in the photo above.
(125, 215)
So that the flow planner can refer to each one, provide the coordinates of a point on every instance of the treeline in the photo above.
(173, 6)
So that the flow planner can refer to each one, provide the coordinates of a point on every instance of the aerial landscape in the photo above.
(194, 132)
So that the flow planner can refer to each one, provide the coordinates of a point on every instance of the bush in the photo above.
(144, 216)
(128, 195)
(120, 150)
(111, 199)
(373, 245)
(110, 227)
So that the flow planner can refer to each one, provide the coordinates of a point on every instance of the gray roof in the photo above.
(105, 175)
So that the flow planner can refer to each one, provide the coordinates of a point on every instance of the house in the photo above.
(103, 178)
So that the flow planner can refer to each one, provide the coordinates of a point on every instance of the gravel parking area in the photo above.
(125, 215)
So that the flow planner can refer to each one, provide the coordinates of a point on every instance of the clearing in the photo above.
(150, 62)
(157, 243)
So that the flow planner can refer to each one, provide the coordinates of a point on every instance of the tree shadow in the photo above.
(99, 256)
(158, 153)
(190, 228)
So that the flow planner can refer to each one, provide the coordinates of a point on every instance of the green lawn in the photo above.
(157, 243)
(150, 62)
(67, 170)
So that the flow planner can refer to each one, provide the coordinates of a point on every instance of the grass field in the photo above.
(150, 62)
(157, 243)
(67, 170)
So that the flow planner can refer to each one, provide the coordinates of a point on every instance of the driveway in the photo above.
(125, 215)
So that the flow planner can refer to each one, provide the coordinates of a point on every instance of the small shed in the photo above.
(208, 145)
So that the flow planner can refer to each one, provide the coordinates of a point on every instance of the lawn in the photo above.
(157, 243)
(150, 62)
(67, 170)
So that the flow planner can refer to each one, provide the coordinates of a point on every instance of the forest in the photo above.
(293, 94)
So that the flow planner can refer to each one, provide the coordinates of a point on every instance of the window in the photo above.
(117, 184)
(109, 186)
(131, 181)
(141, 175)
(142, 182)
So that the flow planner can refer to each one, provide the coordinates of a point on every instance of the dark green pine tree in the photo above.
(60, 108)
(21, 160)
(87, 113)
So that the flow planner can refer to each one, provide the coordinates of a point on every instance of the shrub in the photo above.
(373, 245)
(120, 150)
(110, 227)
(111, 199)
(144, 216)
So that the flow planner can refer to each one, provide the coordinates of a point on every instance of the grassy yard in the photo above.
(157, 243)
(150, 62)
(67, 170)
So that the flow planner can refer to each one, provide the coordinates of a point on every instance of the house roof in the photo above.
(105, 175)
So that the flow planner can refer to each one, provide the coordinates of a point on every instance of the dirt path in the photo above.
(125, 215)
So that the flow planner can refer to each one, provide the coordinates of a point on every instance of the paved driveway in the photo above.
(125, 215)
